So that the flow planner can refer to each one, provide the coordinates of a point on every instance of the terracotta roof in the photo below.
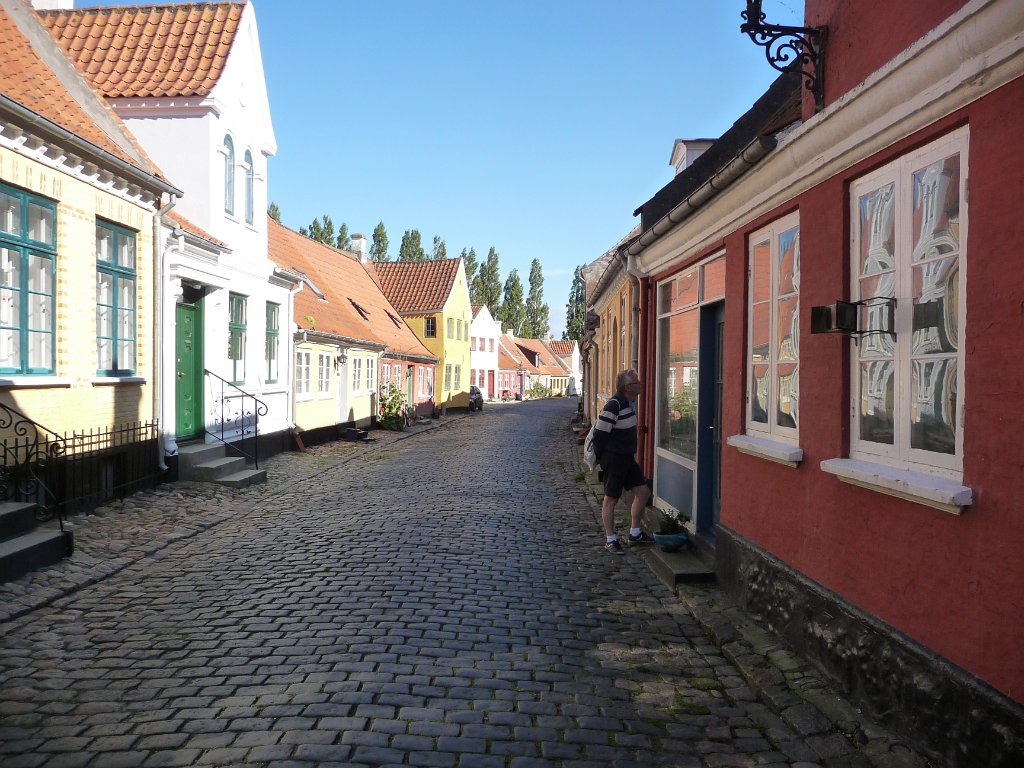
(138, 51)
(192, 229)
(510, 357)
(475, 308)
(418, 286)
(29, 81)
(547, 362)
(562, 347)
(353, 305)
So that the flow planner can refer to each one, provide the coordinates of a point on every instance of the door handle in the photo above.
(181, 374)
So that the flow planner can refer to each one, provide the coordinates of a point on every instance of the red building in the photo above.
(860, 489)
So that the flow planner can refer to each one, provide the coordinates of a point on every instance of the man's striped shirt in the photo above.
(615, 430)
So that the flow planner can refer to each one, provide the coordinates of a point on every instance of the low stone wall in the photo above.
(901, 684)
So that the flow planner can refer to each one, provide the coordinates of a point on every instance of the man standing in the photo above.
(615, 445)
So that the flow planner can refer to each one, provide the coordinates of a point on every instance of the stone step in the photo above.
(215, 469)
(243, 478)
(354, 435)
(33, 550)
(674, 568)
(191, 454)
(16, 518)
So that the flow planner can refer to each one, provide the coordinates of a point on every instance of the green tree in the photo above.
(440, 249)
(322, 230)
(274, 212)
(512, 312)
(536, 310)
(411, 248)
(486, 286)
(344, 241)
(469, 259)
(379, 244)
(576, 309)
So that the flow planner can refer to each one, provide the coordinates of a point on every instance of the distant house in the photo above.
(551, 373)
(433, 298)
(568, 351)
(187, 80)
(79, 205)
(485, 333)
(610, 341)
(516, 374)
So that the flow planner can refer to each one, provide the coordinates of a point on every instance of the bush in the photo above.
(392, 408)
(538, 390)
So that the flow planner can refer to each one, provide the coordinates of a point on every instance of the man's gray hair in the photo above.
(623, 379)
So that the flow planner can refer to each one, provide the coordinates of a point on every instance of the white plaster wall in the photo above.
(485, 327)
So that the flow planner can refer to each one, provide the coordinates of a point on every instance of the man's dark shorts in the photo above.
(620, 472)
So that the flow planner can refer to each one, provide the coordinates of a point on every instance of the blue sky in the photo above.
(534, 126)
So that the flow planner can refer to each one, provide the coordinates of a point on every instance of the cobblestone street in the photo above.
(434, 599)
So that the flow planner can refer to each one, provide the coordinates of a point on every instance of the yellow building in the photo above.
(79, 208)
(433, 297)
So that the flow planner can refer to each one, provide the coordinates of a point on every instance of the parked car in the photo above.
(476, 398)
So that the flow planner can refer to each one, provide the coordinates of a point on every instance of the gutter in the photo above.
(158, 328)
(126, 169)
(737, 167)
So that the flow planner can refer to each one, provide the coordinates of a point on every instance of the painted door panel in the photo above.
(188, 394)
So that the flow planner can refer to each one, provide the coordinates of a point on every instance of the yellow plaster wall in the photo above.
(79, 402)
(317, 411)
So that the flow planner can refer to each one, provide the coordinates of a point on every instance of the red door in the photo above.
(490, 385)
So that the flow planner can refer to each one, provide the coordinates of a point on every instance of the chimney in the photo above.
(359, 246)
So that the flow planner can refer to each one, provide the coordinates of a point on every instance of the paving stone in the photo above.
(200, 625)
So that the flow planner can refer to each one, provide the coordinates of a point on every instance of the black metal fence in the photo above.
(76, 471)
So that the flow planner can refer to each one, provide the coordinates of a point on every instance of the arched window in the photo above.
(248, 187)
(229, 175)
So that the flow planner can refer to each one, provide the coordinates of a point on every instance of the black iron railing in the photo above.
(235, 417)
(76, 471)
(29, 451)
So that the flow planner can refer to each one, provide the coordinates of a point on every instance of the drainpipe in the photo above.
(158, 327)
(639, 280)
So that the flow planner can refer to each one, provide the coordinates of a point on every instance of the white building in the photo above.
(484, 336)
(225, 308)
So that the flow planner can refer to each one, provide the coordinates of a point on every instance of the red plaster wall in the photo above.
(864, 36)
(954, 584)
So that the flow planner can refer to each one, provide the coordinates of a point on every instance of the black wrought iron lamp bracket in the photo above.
(844, 317)
(788, 48)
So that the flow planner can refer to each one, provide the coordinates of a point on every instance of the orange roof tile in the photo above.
(353, 305)
(510, 357)
(547, 363)
(138, 51)
(418, 286)
(562, 347)
(28, 80)
(192, 229)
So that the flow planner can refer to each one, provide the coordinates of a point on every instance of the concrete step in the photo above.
(243, 478)
(16, 518)
(29, 551)
(674, 568)
(215, 469)
(191, 454)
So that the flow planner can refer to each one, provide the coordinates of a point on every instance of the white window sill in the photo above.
(29, 382)
(763, 448)
(103, 381)
(938, 492)
(302, 398)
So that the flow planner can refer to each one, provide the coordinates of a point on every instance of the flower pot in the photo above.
(670, 542)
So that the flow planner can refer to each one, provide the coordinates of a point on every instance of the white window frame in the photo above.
(357, 374)
(451, 328)
(371, 374)
(385, 379)
(421, 380)
(323, 375)
(772, 430)
(900, 173)
(458, 376)
(228, 150)
(448, 376)
(302, 373)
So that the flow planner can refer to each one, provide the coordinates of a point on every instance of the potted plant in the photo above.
(671, 536)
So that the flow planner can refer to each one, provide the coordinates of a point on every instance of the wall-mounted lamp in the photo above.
(844, 317)
(788, 48)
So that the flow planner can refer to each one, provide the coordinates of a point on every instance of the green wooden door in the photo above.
(188, 391)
